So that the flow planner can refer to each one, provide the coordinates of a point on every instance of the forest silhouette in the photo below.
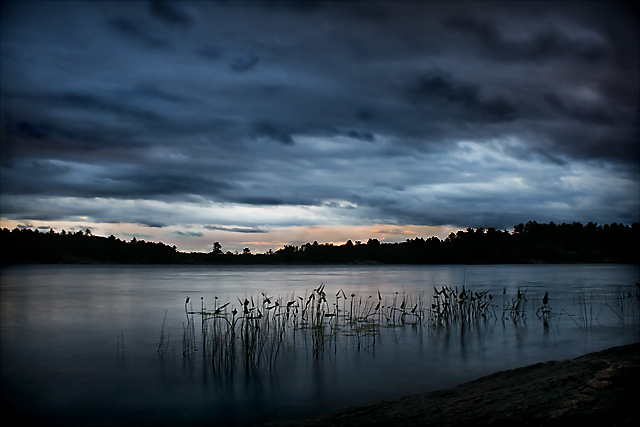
(527, 243)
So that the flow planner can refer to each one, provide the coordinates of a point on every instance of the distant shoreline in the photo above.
(532, 243)
(597, 388)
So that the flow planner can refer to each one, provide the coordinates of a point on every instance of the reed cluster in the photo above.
(452, 306)
(622, 305)
(255, 332)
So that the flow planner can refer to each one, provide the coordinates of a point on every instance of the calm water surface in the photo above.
(79, 343)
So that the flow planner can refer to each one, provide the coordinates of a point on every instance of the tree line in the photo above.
(527, 243)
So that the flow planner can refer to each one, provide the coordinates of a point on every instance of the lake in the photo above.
(81, 344)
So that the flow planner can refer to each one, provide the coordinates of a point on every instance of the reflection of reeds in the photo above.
(255, 332)
(189, 335)
(163, 345)
(120, 343)
(120, 347)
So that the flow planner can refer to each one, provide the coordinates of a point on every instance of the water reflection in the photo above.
(61, 326)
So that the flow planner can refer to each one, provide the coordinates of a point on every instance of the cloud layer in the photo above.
(249, 116)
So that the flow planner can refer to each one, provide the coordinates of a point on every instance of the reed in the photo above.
(450, 306)
(163, 345)
(189, 334)
(617, 306)
(254, 332)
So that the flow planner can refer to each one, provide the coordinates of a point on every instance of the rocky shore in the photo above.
(599, 389)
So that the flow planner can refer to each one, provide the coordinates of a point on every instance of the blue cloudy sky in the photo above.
(259, 124)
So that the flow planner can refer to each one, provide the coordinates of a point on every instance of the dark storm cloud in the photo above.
(187, 233)
(235, 229)
(208, 52)
(544, 45)
(147, 90)
(88, 103)
(150, 224)
(274, 132)
(259, 200)
(244, 62)
(358, 9)
(390, 112)
(441, 89)
(137, 32)
(365, 136)
(44, 177)
(171, 12)
(158, 183)
(597, 115)
(36, 139)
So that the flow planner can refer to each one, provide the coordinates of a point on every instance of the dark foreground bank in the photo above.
(595, 389)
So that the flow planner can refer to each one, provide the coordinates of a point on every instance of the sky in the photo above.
(260, 124)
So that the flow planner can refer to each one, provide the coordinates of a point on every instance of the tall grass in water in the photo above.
(189, 335)
(465, 306)
(165, 339)
(623, 302)
(617, 306)
(256, 330)
(516, 307)
(622, 305)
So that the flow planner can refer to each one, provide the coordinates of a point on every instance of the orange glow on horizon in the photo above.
(196, 238)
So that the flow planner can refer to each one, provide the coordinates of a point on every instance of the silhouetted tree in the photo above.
(530, 242)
